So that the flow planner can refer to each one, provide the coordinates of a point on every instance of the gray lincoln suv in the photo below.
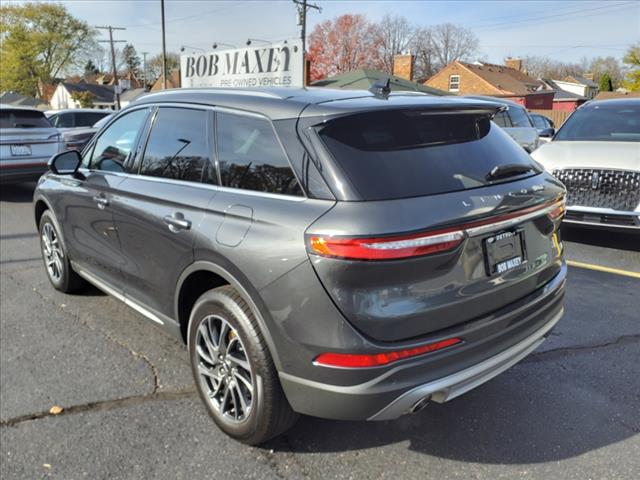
(342, 254)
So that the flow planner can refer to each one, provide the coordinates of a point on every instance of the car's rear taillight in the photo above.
(385, 248)
(352, 360)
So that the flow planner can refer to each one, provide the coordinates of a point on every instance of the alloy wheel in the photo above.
(53, 255)
(224, 369)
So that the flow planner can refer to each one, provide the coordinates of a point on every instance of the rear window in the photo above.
(605, 122)
(86, 119)
(23, 119)
(519, 117)
(398, 154)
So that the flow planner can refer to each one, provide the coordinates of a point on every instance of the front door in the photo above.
(89, 229)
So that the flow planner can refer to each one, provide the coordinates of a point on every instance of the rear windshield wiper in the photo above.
(509, 170)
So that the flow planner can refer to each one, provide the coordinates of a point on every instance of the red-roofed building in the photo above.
(504, 81)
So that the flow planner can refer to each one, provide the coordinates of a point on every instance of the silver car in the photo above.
(516, 121)
(596, 154)
(27, 142)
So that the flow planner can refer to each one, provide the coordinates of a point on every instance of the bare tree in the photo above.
(422, 47)
(396, 35)
(452, 42)
(544, 67)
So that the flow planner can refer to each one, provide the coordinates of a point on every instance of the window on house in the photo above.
(454, 83)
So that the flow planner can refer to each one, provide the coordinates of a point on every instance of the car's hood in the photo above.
(613, 155)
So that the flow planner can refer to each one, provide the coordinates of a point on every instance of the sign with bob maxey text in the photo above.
(274, 65)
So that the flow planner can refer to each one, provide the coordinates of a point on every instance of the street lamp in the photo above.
(183, 47)
(250, 40)
(215, 45)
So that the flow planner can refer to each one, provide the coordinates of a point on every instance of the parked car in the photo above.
(596, 154)
(319, 251)
(75, 117)
(545, 126)
(77, 138)
(516, 121)
(27, 142)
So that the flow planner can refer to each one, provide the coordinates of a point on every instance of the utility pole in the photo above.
(144, 69)
(303, 8)
(164, 48)
(116, 82)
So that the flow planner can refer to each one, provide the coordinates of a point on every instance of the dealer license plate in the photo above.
(504, 252)
(20, 150)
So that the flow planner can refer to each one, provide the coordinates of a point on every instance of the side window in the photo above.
(502, 120)
(178, 145)
(112, 149)
(86, 119)
(63, 120)
(539, 122)
(250, 156)
(519, 117)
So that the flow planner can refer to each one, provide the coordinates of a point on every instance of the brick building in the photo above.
(505, 81)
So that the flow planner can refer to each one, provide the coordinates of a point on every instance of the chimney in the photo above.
(403, 66)
(515, 63)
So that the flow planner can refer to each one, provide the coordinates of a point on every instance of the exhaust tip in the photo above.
(420, 404)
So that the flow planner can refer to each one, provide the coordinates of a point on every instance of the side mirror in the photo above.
(547, 132)
(65, 163)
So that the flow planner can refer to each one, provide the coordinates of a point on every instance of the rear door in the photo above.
(86, 211)
(161, 203)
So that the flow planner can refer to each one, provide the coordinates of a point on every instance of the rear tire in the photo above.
(55, 257)
(233, 369)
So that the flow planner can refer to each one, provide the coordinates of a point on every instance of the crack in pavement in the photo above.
(101, 405)
(563, 351)
(141, 356)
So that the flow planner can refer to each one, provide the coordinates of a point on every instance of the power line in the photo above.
(116, 82)
(303, 8)
(550, 18)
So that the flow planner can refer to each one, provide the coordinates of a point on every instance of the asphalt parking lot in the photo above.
(571, 410)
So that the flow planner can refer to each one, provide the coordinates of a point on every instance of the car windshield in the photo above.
(519, 117)
(603, 122)
(15, 118)
(403, 153)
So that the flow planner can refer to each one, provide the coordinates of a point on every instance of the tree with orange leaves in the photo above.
(345, 43)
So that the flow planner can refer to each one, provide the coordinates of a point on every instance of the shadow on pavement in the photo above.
(517, 418)
(602, 238)
(17, 193)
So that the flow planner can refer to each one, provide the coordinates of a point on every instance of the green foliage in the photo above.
(131, 59)
(606, 84)
(632, 60)
(39, 41)
(85, 99)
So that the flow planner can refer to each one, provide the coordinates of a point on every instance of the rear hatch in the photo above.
(26, 135)
(453, 220)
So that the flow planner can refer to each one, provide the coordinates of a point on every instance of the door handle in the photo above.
(101, 200)
(177, 222)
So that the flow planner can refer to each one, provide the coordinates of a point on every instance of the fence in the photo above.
(556, 116)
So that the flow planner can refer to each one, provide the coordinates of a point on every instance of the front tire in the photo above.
(54, 255)
(233, 369)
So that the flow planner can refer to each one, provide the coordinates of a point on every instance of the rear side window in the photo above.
(178, 145)
(86, 119)
(398, 154)
(251, 157)
(502, 119)
(519, 117)
(62, 120)
(539, 122)
(10, 118)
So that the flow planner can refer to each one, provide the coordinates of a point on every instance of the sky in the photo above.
(562, 30)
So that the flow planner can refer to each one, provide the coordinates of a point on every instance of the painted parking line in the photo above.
(600, 268)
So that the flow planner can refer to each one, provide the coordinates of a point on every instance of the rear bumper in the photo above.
(24, 171)
(450, 387)
(492, 344)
